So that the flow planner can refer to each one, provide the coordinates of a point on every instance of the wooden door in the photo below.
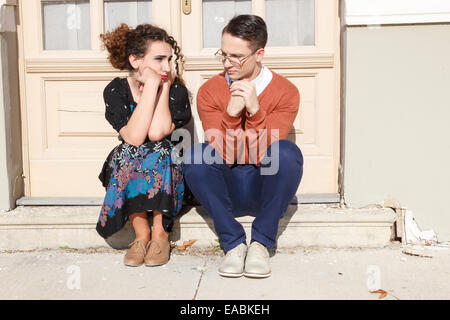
(64, 70)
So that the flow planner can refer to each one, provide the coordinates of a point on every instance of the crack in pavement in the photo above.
(200, 280)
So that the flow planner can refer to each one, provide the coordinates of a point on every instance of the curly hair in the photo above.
(125, 41)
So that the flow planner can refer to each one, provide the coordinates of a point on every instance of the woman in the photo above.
(141, 175)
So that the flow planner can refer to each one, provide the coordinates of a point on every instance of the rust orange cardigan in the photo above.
(239, 139)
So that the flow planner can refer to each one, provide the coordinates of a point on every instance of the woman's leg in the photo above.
(136, 254)
(159, 248)
(140, 224)
(158, 231)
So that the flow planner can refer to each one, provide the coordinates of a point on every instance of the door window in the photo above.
(132, 12)
(216, 15)
(66, 25)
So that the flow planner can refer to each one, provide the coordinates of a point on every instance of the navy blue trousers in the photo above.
(227, 192)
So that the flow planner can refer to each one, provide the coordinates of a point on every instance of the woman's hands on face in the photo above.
(147, 75)
(167, 81)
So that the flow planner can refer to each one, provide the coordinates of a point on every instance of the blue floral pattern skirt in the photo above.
(140, 179)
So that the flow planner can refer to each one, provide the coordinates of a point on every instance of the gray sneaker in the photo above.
(257, 262)
(233, 263)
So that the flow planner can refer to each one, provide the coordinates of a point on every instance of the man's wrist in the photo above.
(234, 114)
(252, 112)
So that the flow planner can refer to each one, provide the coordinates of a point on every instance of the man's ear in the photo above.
(134, 61)
(260, 54)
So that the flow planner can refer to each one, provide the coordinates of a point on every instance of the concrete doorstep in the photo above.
(303, 225)
(324, 252)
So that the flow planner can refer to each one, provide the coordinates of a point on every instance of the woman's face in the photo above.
(158, 58)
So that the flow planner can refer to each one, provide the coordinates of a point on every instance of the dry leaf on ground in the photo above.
(381, 292)
(185, 245)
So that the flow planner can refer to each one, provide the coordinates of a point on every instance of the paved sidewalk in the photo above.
(302, 273)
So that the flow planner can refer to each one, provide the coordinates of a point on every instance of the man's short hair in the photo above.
(248, 27)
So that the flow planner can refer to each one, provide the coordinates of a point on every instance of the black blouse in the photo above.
(120, 104)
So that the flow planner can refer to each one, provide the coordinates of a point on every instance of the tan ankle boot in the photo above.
(136, 254)
(158, 251)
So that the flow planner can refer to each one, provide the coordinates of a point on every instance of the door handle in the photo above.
(186, 6)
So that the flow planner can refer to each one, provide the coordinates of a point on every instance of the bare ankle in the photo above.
(142, 237)
(160, 235)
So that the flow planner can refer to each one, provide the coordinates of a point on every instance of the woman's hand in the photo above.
(167, 81)
(147, 75)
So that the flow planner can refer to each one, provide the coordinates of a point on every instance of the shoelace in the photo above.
(140, 248)
(155, 249)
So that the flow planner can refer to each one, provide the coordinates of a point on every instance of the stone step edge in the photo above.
(29, 228)
(307, 215)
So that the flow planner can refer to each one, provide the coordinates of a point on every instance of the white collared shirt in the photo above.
(261, 81)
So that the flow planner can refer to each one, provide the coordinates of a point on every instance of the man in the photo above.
(243, 110)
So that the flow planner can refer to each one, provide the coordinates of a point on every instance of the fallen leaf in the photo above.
(185, 245)
(381, 292)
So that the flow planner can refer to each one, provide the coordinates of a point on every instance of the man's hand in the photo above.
(235, 105)
(247, 91)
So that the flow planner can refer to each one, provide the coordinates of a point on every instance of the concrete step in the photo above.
(38, 227)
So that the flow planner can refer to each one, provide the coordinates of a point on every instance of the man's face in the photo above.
(236, 47)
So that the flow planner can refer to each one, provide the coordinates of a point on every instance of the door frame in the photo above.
(97, 63)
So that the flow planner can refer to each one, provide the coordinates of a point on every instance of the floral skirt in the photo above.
(140, 179)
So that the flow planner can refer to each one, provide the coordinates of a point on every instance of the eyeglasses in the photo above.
(235, 61)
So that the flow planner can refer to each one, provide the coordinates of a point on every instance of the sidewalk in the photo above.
(301, 273)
